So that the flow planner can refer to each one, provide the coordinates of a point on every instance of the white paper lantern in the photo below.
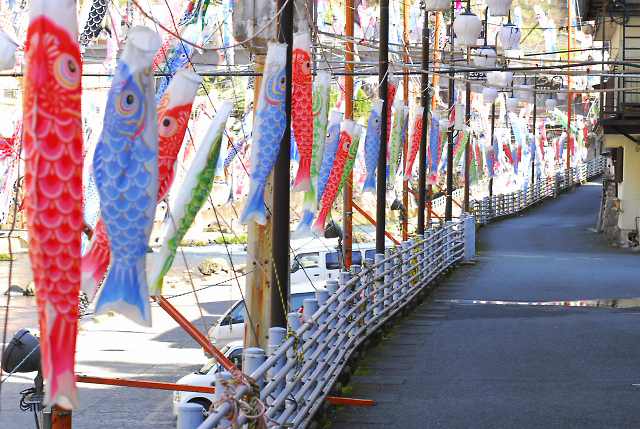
(435, 115)
(524, 94)
(508, 78)
(485, 57)
(437, 4)
(512, 104)
(562, 96)
(499, 7)
(495, 78)
(7, 51)
(489, 94)
(550, 104)
(467, 27)
(510, 36)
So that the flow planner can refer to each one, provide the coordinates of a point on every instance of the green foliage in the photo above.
(6, 257)
(229, 239)
(362, 370)
(362, 106)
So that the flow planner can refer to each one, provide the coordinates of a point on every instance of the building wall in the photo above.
(629, 189)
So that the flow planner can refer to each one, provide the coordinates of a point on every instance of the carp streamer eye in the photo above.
(67, 71)
(376, 121)
(127, 103)
(168, 127)
(306, 67)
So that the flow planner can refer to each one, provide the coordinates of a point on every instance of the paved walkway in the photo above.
(457, 364)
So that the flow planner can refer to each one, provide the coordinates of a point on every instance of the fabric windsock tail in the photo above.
(125, 291)
(305, 223)
(318, 226)
(254, 206)
(63, 382)
(370, 183)
(303, 178)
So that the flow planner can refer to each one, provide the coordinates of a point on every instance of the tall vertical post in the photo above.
(448, 208)
(422, 155)
(257, 289)
(280, 231)
(535, 110)
(348, 114)
(569, 95)
(436, 54)
(467, 148)
(381, 185)
(493, 126)
(405, 144)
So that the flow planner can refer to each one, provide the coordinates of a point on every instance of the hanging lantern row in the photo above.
(497, 7)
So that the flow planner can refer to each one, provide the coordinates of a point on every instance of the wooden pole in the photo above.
(381, 185)
(448, 209)
(60, 418)
(348, 114)
(405, 183)
(422, 156)
(281, 195)
(257, 295)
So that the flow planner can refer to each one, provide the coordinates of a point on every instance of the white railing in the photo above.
(305, 364)
(439, 203)
(496, 206)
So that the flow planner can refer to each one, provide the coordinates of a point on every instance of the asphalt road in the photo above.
(455, 364)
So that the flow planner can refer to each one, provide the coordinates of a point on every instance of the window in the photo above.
(236, 358)
(333, 261)
(305, 260)
(10, 93)
(356, 257)
(370, 254)
(235, 316)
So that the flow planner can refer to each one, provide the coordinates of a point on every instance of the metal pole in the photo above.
(405, 183)
(467, 149)
(535, 109)
(493, 126)
(348, 114)
(448, 210)
(422, 156)
(280, 234)
(384, 95)
(569, 95)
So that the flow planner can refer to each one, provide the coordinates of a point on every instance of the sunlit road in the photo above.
(456, 364)
(115, 347)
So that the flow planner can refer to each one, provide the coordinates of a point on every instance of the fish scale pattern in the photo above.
(53, 188)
